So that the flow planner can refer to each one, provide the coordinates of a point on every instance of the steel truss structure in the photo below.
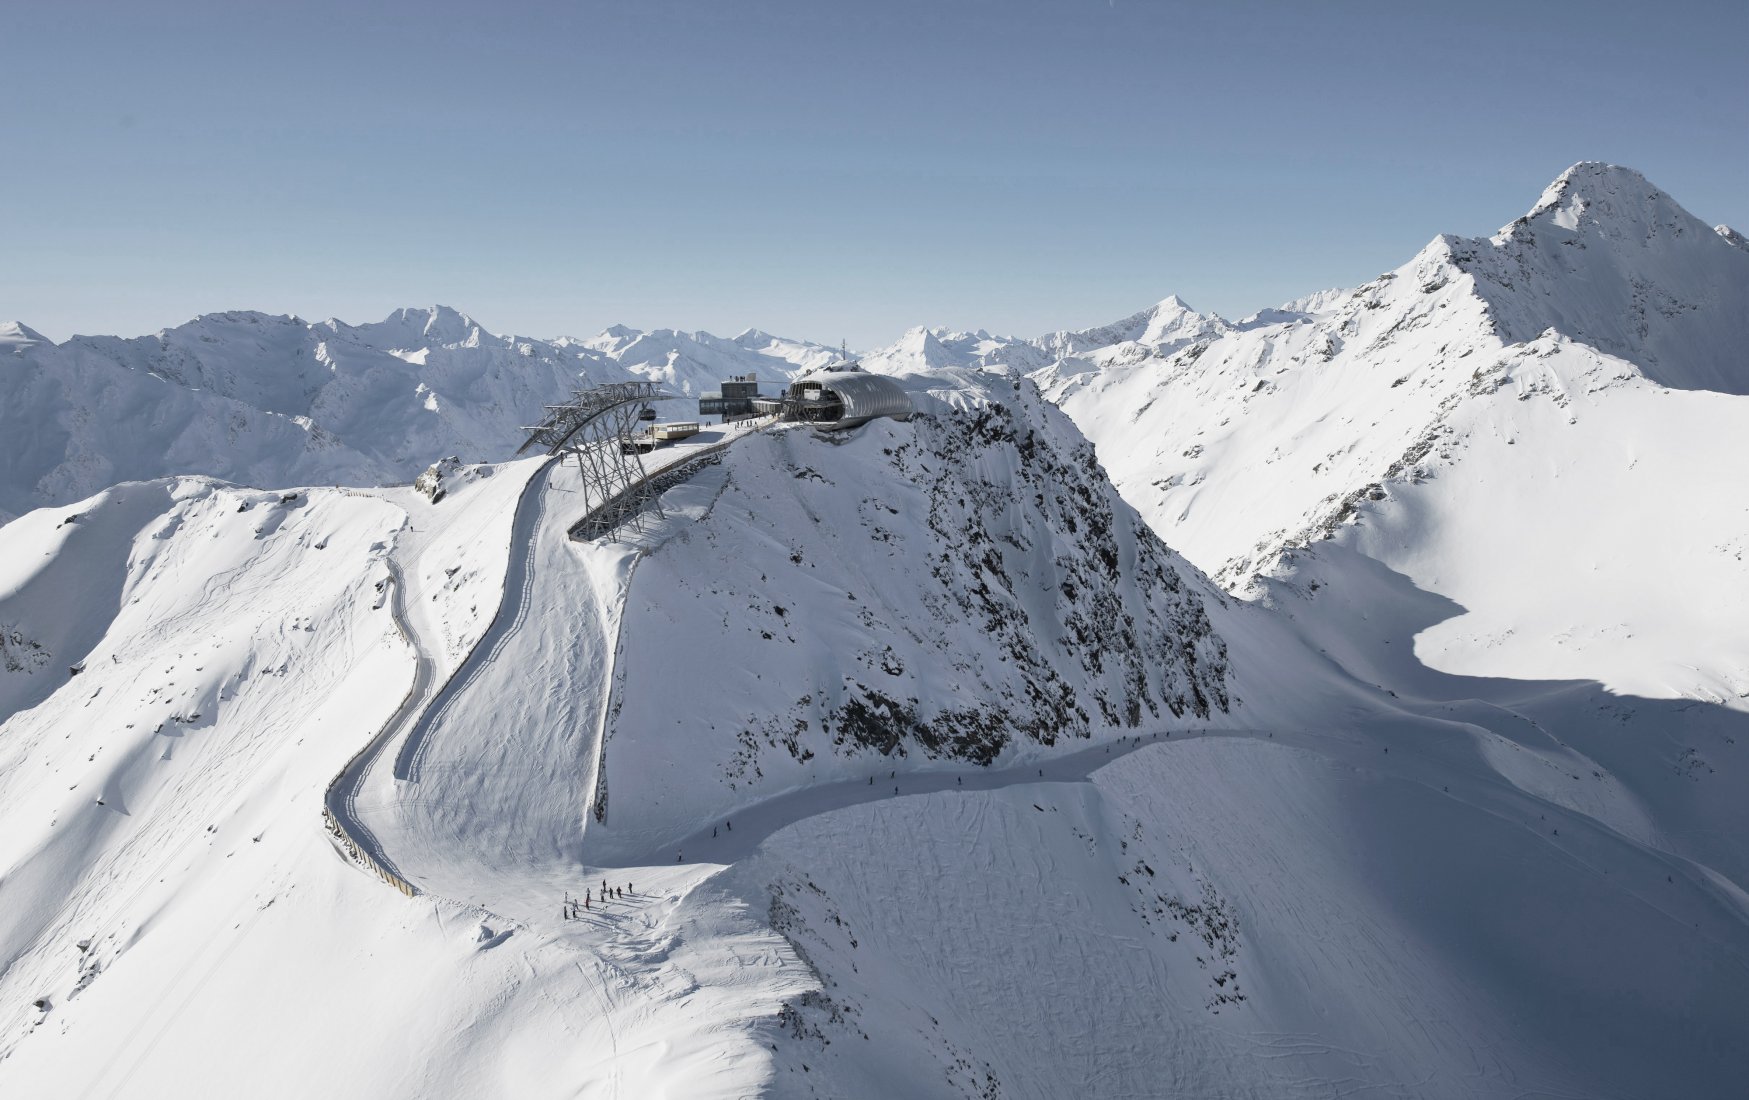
(595, 427)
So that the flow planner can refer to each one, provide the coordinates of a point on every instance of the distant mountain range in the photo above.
(268, 400)
(1604, 259)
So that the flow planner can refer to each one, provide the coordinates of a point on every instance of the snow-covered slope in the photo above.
(1535, 427)
(1244, 443)
(487, 814)
(1582, 518)
(1011, 801)
(176, 921)
(962, 588)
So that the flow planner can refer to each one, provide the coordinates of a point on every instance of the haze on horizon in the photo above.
(818, 171)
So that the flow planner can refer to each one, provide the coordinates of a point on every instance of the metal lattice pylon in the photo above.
(596, 428)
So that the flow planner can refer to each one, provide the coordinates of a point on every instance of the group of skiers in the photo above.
(574, 908)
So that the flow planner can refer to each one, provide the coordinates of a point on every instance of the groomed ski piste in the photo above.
(930, 771)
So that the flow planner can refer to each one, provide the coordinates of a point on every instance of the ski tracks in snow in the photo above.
(133, 1050)
(518, 582)
(342, 794)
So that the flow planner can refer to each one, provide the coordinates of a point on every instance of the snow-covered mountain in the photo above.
(1250, 440)
(1503, 417)
(694, 362)
(1610, 261)
(267, 400)
(1150, 333)
(919, 760)
(982, 591)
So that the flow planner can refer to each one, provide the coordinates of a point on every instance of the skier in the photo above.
(585, 901)
(958, 782)
(729, 825)
(713, 832)
(679, 857)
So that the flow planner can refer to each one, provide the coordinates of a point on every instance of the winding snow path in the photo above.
(749, 827)
(518, 586)
(342, 794)
(475, 790)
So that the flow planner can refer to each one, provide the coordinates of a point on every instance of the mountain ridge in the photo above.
(272, 399)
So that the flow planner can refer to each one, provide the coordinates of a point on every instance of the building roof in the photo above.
(865, 396)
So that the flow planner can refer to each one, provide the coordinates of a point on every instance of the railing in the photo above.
(364, 858)
(352, 848)
(357, 852)
(607, 516)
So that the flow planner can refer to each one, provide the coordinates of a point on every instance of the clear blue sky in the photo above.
(820, 169)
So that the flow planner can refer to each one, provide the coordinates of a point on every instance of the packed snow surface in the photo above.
(1348, 699)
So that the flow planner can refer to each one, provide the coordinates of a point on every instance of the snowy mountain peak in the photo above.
(1174, 321)
(1732, 236)
(1607, 277)
(1171, 306)
(435, 324)
(1611, 261)
(924, 349)
(1608, 200)
(696, 362)
(1165, 326)
(1592, 178)
(15, 336)
(925, 346)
